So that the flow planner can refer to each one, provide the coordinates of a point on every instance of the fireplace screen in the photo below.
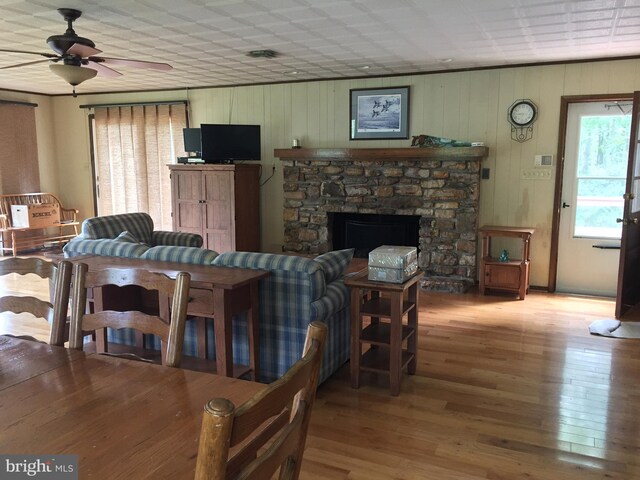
(364, 232)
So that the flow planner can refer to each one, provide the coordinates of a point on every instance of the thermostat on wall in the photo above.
(543, 161)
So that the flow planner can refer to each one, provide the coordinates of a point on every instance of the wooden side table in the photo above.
(386, 332)
(510, 276)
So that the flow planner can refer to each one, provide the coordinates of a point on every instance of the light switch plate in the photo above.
(536, 174)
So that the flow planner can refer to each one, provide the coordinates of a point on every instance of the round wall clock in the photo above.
(521, 115)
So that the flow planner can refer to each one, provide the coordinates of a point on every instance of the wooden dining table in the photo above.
(124, 419)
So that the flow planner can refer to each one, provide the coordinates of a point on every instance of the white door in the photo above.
(595, 170)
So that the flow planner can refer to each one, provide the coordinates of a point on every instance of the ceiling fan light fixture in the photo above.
(72, 74)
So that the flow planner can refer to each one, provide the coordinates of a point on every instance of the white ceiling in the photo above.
(206, 41)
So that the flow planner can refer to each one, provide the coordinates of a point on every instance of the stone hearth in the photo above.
(441, 185)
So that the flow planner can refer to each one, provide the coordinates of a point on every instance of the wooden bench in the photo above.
(14, 238)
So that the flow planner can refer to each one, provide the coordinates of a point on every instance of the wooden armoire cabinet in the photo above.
(220, 202)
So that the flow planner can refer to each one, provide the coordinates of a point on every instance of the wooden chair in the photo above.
(169, 324)
(55, 311)
(273, 424)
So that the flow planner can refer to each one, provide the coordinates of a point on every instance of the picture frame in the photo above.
(379, 113)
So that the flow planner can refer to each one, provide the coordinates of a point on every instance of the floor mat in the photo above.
(615, 328)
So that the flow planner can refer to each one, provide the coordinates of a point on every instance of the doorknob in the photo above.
(565, 205)
(626, 221)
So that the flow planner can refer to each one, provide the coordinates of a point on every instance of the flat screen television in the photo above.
(224, 143)
(192, 140)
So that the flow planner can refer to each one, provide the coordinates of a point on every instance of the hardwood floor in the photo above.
(505, 389)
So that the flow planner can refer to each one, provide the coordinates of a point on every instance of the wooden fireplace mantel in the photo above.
(377, 154)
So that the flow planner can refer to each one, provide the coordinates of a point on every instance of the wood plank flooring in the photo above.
(504, 390)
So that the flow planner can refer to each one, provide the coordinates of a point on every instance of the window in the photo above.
(133, 145)
(19, 170)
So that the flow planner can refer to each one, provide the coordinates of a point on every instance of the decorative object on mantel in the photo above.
(431, 141)
(521, 115)
(296, 143)
(504, 256)
(379, 113)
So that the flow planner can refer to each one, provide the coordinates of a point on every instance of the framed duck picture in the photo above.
(379, 113)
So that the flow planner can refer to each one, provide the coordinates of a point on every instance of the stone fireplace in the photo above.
(438, 185)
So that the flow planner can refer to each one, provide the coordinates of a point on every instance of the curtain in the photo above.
(19, 171)
(133, 145)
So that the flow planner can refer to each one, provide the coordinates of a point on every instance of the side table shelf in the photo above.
(386, 333)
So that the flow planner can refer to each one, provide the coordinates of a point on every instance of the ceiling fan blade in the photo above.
(102, 70)
(48, 55)
(134, 63)
(82, 50)
(25, 64)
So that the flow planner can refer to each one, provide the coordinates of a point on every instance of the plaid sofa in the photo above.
(126, 235)
(298, 291)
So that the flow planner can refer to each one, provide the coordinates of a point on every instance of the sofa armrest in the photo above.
(104, 247)
(336, 298)
(175, 239)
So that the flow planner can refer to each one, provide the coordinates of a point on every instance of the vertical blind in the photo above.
(133, 145)
(19, 171)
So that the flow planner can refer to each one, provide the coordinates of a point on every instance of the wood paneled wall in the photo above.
(460, 105)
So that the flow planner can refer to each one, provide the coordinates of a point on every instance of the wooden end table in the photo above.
(512, 275)
(385, 304)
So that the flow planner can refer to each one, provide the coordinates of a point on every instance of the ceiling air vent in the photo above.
(262, 54)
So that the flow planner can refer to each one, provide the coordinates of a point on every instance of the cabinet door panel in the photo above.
(505, 276)
(219, 220)
(188, 218)
(187, 209)
(188, 186)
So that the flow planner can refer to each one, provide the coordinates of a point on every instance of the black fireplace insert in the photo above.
(364, 232)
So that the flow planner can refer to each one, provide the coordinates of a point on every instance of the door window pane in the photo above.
(603, 153)
(599, 204)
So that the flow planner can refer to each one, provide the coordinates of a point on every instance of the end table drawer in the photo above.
(200, 302)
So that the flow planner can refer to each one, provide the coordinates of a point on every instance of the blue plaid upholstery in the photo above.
(294, 295)
(111, 228)
(192, 255)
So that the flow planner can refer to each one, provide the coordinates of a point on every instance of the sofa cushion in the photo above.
(293, 275)
(183, 239)
(334, 263)
(192, 255)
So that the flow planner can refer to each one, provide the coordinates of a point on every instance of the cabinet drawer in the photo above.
(200, 302)
(503, 276)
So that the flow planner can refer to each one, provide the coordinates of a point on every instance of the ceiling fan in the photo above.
(75, 58)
